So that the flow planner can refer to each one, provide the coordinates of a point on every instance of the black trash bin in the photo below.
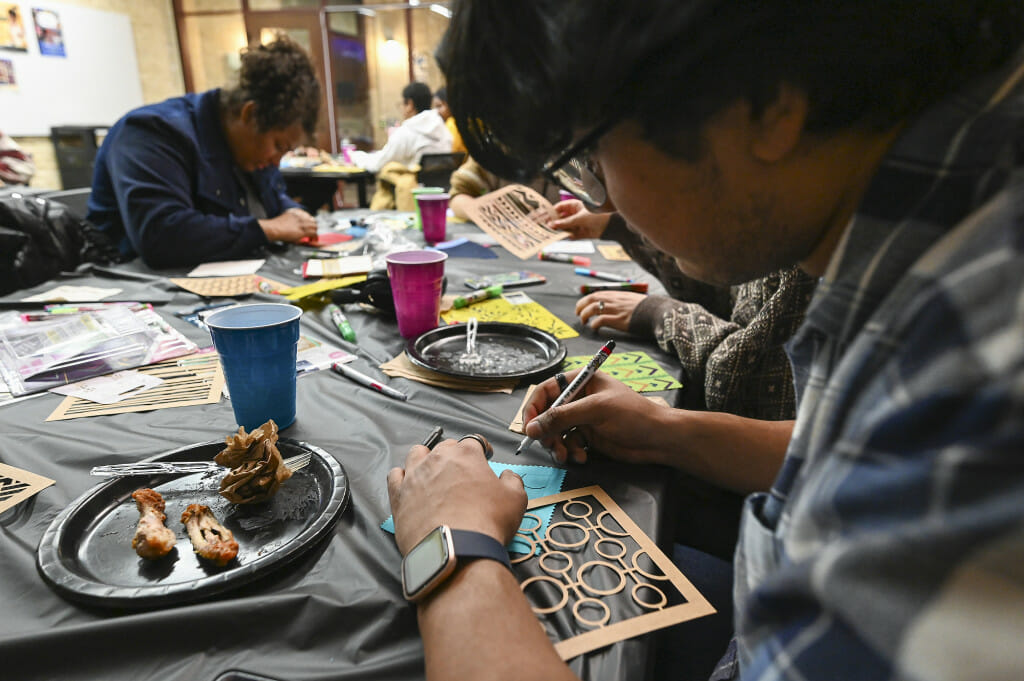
(76, 148)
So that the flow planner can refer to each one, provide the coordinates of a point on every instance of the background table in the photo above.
(316, 187)
(338, 611)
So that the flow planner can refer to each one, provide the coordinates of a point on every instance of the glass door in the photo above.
(304, 28)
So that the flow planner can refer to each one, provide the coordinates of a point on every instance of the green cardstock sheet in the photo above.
(636, 369)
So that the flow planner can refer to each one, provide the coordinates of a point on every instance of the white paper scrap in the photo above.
(227, 268)
(581, 247)
(109, 389)
(72, 294)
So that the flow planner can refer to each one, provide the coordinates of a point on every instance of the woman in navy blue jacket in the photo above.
(194, 179)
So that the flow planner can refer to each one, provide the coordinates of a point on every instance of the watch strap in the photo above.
(469, 544)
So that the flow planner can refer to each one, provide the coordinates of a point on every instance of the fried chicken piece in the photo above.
(257, 469)
(152, 538)
(210, 539)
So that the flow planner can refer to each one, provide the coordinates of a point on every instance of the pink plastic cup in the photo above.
(416, 278)
(434, 212)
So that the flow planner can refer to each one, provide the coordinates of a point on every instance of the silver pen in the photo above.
(362, 379)
(576, 386)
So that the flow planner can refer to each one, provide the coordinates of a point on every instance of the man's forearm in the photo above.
(730, 451)
(483, 603)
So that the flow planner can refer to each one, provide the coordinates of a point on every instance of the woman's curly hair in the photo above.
(280, 80)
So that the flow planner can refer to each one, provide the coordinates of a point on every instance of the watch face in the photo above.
(425, 562)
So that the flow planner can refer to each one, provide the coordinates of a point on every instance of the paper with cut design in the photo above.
(592, 556)
(516, 216)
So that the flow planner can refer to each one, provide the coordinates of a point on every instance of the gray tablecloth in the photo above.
(335, 613)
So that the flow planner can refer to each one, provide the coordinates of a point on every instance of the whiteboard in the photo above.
(94, 85)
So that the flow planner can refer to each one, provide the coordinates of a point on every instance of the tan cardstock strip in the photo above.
(17, 485)
(695, 606)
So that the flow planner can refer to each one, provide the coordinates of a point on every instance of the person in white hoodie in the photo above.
(422, 132)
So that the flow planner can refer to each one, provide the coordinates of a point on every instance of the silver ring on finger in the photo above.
(488, 450)
(600, 307)
(580, 437)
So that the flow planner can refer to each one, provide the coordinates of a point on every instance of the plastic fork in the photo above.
(471, 356)
(121, 470)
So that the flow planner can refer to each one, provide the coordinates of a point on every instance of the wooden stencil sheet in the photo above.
(594, 556)
(189, 380)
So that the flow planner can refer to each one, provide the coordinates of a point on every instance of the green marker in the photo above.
(341, 321)
(476, 297)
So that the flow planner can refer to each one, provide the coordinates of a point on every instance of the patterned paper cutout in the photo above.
(636, 369)
(225, 287)
(194, 379)
(17, 485)
(516, 216)
(598, 565)
(501, 310)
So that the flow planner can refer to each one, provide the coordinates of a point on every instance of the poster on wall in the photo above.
(7, 81)
(12, 28)
(48, 32)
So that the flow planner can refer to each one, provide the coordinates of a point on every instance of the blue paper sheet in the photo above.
(464, 248)
(539, 481)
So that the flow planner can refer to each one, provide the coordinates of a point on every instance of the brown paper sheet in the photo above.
(401, 367)
(517, 217)
(17, 485)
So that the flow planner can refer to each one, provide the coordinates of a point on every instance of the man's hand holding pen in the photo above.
(607, 416)
(452, 484)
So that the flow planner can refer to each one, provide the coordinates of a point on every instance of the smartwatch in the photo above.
(435, 557)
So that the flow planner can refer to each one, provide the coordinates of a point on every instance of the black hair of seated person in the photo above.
(551, 70)
(280, 80)
(442, 94)
(420, 95)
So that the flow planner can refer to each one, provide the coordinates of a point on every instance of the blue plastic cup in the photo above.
(257, 345)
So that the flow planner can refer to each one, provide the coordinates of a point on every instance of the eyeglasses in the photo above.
(575, 170)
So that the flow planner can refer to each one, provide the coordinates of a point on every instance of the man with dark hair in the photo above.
(422, 132)
(194, 179)
(876, 144)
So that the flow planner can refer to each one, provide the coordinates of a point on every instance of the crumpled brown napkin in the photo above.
(257, 469)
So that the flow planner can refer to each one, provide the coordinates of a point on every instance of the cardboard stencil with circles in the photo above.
(597, 578)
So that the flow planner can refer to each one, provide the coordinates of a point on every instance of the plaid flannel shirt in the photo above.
(891, 545)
